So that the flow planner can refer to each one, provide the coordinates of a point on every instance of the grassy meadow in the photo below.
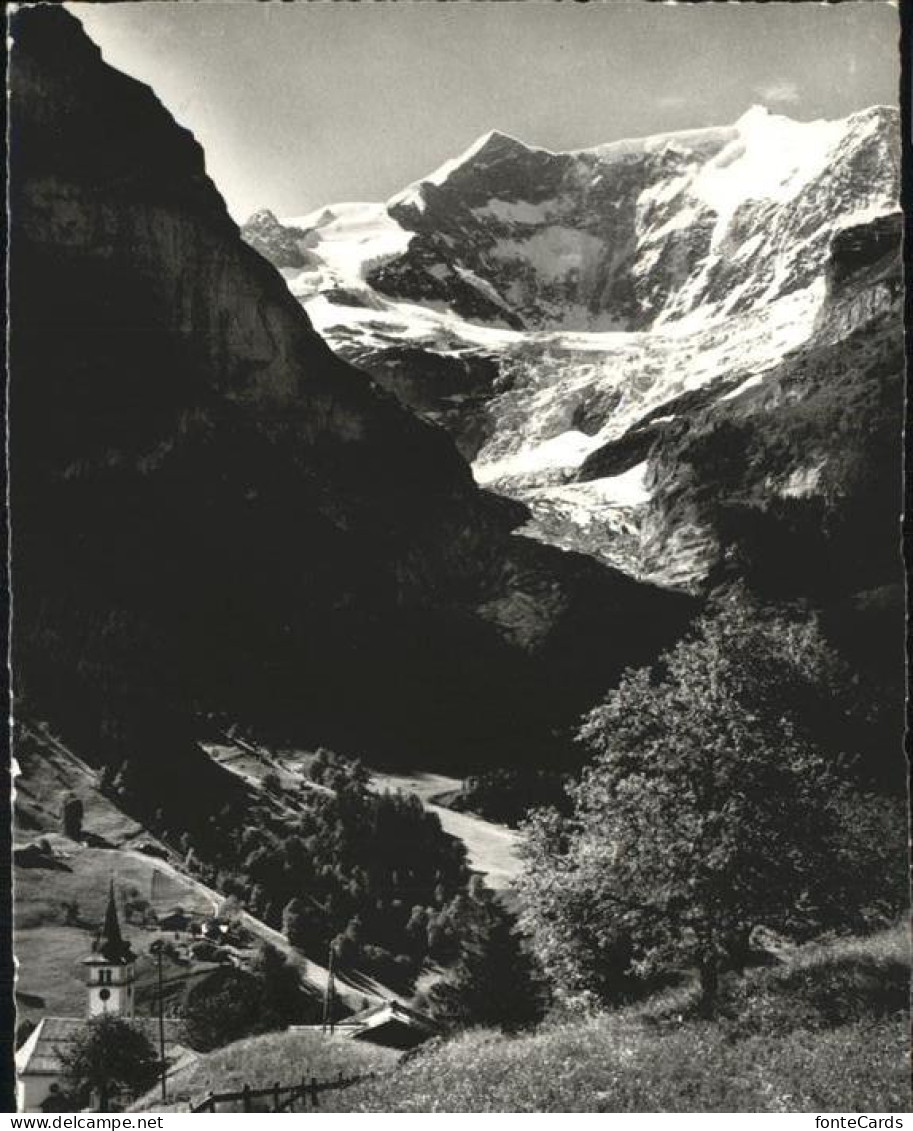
(263, 1061)
(826, 1028)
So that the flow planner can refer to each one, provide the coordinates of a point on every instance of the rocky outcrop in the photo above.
(214, 514)
(452, 391)
(281, 245)
(795, 487)
(698, 348)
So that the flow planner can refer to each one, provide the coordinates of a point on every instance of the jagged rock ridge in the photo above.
(624, 236)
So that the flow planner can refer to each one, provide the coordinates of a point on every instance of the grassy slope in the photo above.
(826, 1030)
(48, 771)
(282, 1058)
(50, 977)
(491, 849)
(605, 1065)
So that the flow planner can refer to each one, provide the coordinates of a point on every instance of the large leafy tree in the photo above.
(283, 1000)
(709, 807)
(111, 1057)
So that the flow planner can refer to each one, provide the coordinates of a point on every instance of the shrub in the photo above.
(508, 795)
(221, 1008)
(230, 1003)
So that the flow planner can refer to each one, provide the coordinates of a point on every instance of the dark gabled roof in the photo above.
(387, 1011)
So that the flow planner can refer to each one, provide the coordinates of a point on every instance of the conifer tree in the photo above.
(494, 980)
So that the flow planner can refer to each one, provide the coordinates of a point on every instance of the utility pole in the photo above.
(157, 951)
(330, 994)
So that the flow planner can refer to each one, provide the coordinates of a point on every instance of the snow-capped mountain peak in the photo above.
(493, 143)
(548, 307)
(489, 148)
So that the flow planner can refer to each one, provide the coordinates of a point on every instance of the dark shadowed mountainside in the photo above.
(212, 514)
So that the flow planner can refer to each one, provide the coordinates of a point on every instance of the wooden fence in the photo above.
(293, 1097)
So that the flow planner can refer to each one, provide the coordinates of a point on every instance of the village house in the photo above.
(388, 1023)
(177, 921)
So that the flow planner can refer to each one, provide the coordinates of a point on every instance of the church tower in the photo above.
(111, 968)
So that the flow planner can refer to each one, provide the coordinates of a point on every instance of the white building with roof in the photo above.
(111, 984)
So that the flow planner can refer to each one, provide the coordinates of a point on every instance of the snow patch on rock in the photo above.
(346, 241)
(551, 253)
(772, 158)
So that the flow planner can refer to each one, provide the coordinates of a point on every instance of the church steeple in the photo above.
(111, 964)
(111, 944)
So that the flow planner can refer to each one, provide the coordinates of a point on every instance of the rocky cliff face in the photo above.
(215, 514)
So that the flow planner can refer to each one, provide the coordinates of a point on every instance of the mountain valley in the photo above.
(486, 603)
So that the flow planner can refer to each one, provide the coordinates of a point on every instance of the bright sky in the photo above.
(302, 104)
